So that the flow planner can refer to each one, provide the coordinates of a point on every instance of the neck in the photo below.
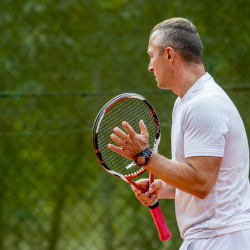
(186, 76)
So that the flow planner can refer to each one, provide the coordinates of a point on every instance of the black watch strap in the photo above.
(142, 158)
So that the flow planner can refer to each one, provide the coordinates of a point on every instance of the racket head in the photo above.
(132, 108)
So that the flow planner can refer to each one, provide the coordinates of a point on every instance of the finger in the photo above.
(147, 201)
(143, 183)
(155, 188)
(135, 190)
(143, 197)
(116, 149)
(143, 128)
(152, 188)
(121, 134)
(118, 140)
(129, 129)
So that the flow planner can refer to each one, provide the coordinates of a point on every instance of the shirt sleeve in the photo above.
(205, 129)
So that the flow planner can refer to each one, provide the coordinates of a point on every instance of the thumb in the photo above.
(143, 128)
(152, 188)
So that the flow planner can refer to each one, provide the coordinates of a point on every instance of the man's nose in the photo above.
(150, 68)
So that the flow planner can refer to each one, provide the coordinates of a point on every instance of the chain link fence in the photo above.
(53, 192)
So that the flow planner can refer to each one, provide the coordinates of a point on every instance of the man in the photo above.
(208, 173)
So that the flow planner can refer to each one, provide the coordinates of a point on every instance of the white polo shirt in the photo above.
(205, 122)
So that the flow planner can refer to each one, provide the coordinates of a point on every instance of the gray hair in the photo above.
(182, 36)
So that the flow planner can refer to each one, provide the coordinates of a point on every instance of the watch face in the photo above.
(141, 160)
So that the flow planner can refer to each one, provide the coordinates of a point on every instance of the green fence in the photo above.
(60, 62)
(54, 194)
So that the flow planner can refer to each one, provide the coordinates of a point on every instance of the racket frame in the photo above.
(103, 111)
(156, 212)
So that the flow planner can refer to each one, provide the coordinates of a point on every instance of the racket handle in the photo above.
(160, 222)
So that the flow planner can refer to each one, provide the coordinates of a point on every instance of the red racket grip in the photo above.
(160, 222)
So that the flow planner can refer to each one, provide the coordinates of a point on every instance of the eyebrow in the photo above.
(150, 49)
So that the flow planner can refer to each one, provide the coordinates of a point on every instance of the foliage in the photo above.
(60, 62)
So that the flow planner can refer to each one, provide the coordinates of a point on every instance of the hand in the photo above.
(131, 143)
(149, 197)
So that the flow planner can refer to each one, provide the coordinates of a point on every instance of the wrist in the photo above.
(142, 158)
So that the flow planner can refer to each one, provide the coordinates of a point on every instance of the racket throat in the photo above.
(135, 185)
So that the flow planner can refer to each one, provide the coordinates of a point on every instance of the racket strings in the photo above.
(132, 111)
(116, 113)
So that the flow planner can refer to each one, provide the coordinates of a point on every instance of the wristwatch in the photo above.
(142, 158)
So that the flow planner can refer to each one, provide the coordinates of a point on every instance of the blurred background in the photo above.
(60, 62)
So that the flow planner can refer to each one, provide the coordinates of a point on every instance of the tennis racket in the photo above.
(131, 108)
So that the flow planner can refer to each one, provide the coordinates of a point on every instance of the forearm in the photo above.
(176, 174)
(168, 192)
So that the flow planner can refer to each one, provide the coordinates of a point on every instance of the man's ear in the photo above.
(170, 54)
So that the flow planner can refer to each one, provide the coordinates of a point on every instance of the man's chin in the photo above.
(161, 86)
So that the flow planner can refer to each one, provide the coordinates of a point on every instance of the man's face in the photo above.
(158, 64)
